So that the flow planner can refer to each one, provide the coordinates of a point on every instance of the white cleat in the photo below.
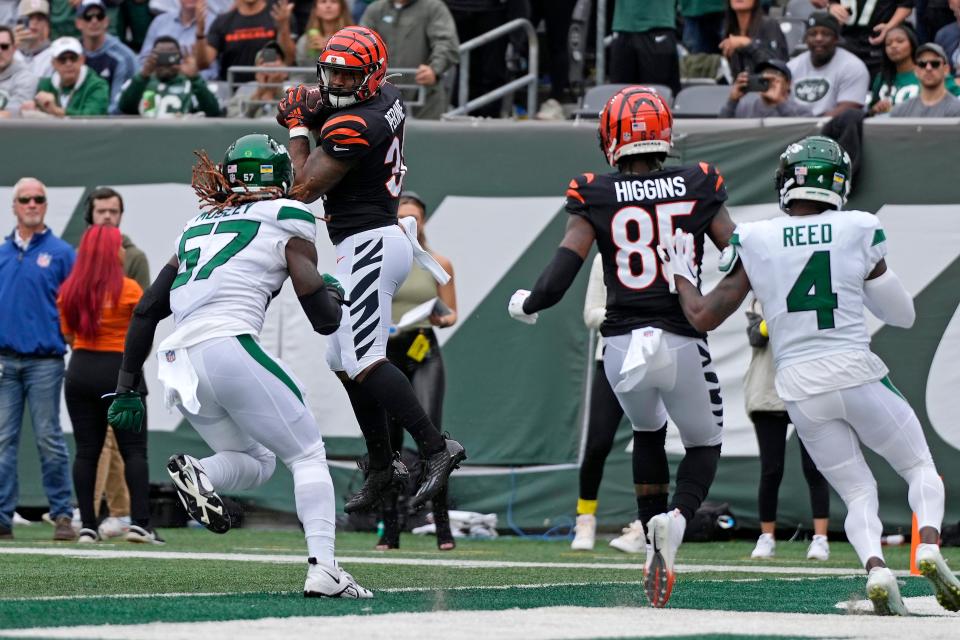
(197, 493)
(884, 593)
(633, 539)
(934, 568)
(665, 533)
(819, 549)
(766, 547)
(326, 582)
(585, 533)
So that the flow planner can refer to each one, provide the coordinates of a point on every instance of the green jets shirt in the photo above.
(153, 98)
(636, 16)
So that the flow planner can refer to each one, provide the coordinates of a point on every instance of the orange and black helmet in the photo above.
(356, 49)
(636, 120)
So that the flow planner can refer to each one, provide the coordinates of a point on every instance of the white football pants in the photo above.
(832, 426)
(251, 407)
(688, 389)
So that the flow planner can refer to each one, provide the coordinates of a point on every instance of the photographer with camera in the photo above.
(764, 94)
(168, 85)
(32, 36)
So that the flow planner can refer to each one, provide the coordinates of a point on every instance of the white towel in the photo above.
(179, 379)
(427, 261)
(647, 353)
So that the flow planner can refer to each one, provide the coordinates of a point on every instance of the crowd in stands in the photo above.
(163, 58)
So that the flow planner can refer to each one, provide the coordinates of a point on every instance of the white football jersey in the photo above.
(231, 263)
(808, 273)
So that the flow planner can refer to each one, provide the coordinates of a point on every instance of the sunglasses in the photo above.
(27, 199)
(90, 17)
(68, 57)
(929, 64)
(4, 46)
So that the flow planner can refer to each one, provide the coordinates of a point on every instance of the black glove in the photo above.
(756, 339)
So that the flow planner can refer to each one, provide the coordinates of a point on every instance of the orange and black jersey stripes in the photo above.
(369, 135)
(629, 214)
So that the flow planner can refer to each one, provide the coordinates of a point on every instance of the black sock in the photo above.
(373, 424)
(694, 477)
(651, 472)
(393, 391)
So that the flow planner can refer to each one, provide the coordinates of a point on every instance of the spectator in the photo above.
(772, 102)
(168, 86)
(182, 26)
(213, 9)
(326, 18)
(421, 35)
(770, 420)
(105, 54)
(17, 82)
(416, 352)
(488, 68)
(259, 97)
(133, 22)
(751, 37)
(702, 24)
(931, 16)
(864, 35)
(644, 49)
(949, 38)
(33, 38)
(934, 100)
(96, 303)
(557, 15)
(828, 79)
(105, 207)
(898, 82)
(73, 89)
(33, 264)
(236, 36)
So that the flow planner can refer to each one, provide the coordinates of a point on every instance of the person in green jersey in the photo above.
(167, 86)
(644, 48)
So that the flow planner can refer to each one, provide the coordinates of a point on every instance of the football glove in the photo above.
(334, 285)
(301, 108)
(679, 253)
(515, 308)
(126, 411)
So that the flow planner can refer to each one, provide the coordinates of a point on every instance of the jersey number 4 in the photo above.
(813, 290)
(641, 242)
(244, 232)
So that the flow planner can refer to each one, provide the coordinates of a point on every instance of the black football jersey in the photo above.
(629, 213)
(370, 135)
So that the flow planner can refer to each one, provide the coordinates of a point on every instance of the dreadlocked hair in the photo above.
(216, 193)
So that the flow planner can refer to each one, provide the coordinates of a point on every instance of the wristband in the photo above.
(298, 132)
(127, 381)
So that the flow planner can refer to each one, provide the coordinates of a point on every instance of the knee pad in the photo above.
(311, 468)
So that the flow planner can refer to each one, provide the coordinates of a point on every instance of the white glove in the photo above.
(667, 268)
(679, 253)
(516, 307)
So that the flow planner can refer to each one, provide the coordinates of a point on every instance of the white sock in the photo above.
(313, 490)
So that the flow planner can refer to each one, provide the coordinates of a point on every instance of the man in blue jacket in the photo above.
(33, 264)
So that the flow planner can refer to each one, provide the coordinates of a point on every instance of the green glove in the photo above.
(333, 283)
(126, 411)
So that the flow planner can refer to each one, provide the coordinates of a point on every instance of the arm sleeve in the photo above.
(153, 307)
(554, 281)
(887, 299)
(595, 302)
(442, 36)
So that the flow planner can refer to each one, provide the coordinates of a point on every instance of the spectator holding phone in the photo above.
(32, 35)
(168, 85)
(765, 94)
(751, 37)
(179, 23)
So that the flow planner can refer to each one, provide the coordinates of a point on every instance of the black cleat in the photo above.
(376, 484)
(436, 471)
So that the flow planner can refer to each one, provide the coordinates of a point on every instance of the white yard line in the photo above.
(424, 562)
(530, 624)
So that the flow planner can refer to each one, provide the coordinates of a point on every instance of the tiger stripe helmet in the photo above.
(636, 120)
(356, 49)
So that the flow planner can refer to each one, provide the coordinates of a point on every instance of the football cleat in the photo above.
(376, 485)
(437, 470)
(665, 533)
(633, 540)
(325, 582)
(585, 533)
(766, 547)
(884, 593)
(197, 493)
(819, 549)
(934, 568)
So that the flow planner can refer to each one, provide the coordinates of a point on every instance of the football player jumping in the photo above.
(656, 362)
(244, 403)
(814, 271)
(357, 119)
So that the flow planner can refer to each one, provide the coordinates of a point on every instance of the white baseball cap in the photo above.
(66, 44)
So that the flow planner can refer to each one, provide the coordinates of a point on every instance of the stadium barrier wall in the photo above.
(515, 392)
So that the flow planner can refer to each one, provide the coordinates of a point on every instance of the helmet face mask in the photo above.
(635, 121)
(257, 162)
(356, 50)
(815, 169)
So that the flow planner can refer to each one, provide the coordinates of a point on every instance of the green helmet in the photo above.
(816, 168)
(256, 161)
